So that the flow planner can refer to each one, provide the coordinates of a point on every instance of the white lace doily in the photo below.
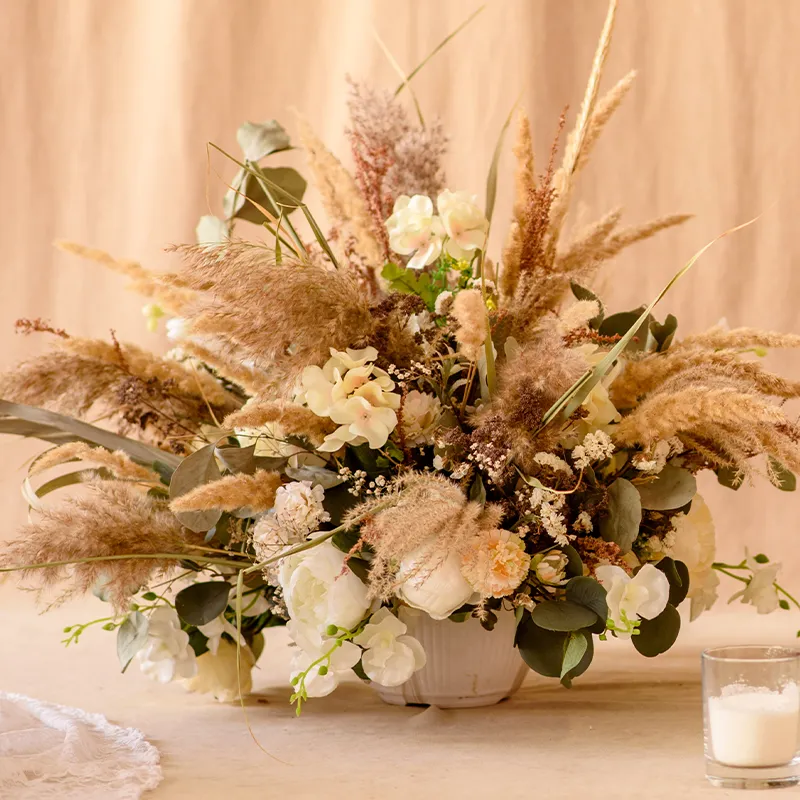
(49, 751)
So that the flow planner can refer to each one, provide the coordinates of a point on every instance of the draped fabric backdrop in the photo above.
(107, 106)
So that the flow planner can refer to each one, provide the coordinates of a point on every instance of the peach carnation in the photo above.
(496, 563)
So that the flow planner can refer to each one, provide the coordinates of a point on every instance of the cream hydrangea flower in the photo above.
(421, 413)
(390, 656)
(694, 543)
(644, 596)
(496, 563)
(464, 223)
(414, 230)
(167, 654)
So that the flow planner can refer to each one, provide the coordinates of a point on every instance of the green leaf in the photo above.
(624, 514)
(678, 576)
(131, 637)
(673, 488)
(730, 477)
(477, 492)
(656, 636)
(786, 480)
(201, 603)
(784, 604)
(287, 187)
(319, 476)
(544, 651)
(582, 293)
(588, 592)
(198, 642)
(60, 429)
(244, 459)
(491, 179)
(257, 645)
(258, 140)
(664, 334)
(761, 558)
(195, 470)
(32, 496)
(574, 565)
(620, 324)
(562, 615)
(576, 646)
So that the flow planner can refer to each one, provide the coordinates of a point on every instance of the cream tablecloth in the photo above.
(631, 728)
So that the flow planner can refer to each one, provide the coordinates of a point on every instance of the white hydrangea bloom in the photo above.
(464, 223)
(414, 230)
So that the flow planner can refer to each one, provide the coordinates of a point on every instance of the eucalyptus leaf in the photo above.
(576, 646)
(195, 470)
(289, 188)
(244, 460)
(673, 488)
(75, 430)
(678, 576)
(786, 479)
(258, 140)
(319, 476)
(131, 637)
(656, 636)
(588, 592)
(201, 603)
(619, 324)
(621, 525)
(574, 563)
(582, 293)
(562, 615)
(730, 477)
(664, 334)
(477, 492)
(543, 650)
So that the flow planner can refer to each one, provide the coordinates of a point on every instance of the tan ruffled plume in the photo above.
(116, 462)
(255, 492)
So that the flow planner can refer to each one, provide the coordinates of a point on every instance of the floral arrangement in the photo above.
(383, 418)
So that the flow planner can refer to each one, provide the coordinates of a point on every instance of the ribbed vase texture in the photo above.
(467, 666)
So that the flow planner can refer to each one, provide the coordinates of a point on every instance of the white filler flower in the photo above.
(644, 596)
(167, 654)
(390, 656)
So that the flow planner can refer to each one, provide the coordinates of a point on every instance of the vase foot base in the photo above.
(397, 699)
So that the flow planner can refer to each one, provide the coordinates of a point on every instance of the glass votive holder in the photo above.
(751, 715)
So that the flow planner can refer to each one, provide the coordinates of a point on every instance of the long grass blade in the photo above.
(399, 70)
(491, 178)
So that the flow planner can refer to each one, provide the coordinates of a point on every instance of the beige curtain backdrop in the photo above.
(107, 106)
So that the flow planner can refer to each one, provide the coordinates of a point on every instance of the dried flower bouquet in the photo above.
(382, 418)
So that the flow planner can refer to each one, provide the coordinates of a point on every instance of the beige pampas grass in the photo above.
(340, 195)
(117, 462)
(582, 252)
(718, 338)
(250, 380)
(469, 312)
(292, 418)
(114, 519)
(255, 492)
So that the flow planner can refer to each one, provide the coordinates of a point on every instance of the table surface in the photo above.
(630, 728)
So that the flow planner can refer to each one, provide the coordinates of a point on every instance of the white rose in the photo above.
(390, 656)
(464, 222)
(167, 654)
(218, 675)
(694, 544)
(313, 647)
(438, 588)
(319, 590)
(645, 595)
(298, 506)
(414, 229)
(421, 414)
(761, 591)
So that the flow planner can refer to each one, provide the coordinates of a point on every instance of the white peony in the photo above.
(218, 674)
(167, 654)
(390, 656)
(645, 595)
(464, 223)
(415, 231)
(298, 506)
(313, 647)
(319, 590)
(421, 414)
(438, 588)
(694, 544)
(760, 591)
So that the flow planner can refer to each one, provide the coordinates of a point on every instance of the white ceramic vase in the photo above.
(467, 666)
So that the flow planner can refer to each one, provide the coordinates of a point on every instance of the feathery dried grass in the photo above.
(582, 252)
(340, 196)
(282, 317)
(252, 381)
(147, 283)
(114, 519)
(293, 419)
(469, 312)
(718, 338)
(426, 511)
(255, 492)
(116, 462)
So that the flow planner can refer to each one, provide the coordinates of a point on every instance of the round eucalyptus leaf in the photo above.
(201, 603)
(656, 636)
(562, 615)
(624, 514)
(678, 576)
(673, 488)
(588, 592)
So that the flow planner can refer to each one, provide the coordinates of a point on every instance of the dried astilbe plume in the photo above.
(292, 418)
(419, 511)
(115, 519)
(149, 284)
(117, 462)
(469, 312)
(280, 316)
(255, 492)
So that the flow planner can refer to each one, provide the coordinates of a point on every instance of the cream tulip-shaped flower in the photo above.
(167, 654)
(438, 588)
(464, 223)
(218, 674)
(415, 231)
(644, 596)
(390, 656)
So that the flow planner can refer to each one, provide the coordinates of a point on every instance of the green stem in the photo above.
(722, 568)
(126, 557)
